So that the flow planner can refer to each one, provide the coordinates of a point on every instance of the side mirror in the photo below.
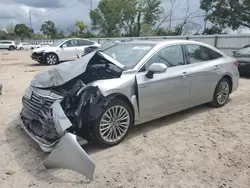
(156, 68)
(64, 46)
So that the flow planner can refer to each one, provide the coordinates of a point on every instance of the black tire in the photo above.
(21, 48)
(96, 125)
(51, 59)
(216, 100)
(11, 48)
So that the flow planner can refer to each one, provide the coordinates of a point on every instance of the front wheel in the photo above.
(51, 59)
(114, 123)
(11, 48)
(221, 93)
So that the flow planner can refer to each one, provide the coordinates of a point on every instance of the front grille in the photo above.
(38, 103)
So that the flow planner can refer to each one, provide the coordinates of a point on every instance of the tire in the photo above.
(102, 139)
(221, 93)
(11, 48)
(21, 48)
(51, 59)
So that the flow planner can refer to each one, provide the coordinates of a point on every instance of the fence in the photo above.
(226, 43)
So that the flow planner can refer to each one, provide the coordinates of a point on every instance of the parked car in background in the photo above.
(26, 46)
(62, 50)
(243, 58)
(101, 95)
(8, 45)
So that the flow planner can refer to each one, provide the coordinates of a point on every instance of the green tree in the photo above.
(152, 10)
(23, 31)
(112, 17)
(227, 13)
(49, 29)
(107, 17)
(3, 35)
(212, 31)
(81, 26)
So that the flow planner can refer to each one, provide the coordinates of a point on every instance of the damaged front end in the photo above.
(60, 106)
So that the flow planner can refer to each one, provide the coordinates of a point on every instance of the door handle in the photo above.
(184, 74)
(216, 67)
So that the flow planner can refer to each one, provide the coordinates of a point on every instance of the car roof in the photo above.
(163, 42)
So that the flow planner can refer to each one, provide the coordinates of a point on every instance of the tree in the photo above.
(152, 10)
(3, 35)
(49, 29)
(112, 17)
(23, 31)
(227, 13)
(10, 29)
(107, 17)
(81, 26)
(212, 31)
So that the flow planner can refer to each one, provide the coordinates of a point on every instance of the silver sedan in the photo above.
(100, 96)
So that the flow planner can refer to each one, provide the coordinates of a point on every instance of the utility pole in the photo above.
(30, 19)
(91, 8)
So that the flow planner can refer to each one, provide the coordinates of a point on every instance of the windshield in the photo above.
(58, 42)
(129, 54)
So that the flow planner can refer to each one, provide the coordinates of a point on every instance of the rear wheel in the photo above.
(221, 93)
(51, 59)
(114, 123)
(21, 48)
(11, 48)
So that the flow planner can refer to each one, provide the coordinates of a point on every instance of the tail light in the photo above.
(236, 63)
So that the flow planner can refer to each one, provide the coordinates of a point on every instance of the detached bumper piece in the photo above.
(65, 151)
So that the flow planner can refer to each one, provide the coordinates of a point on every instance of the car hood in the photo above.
(62, 73)
(47, 48)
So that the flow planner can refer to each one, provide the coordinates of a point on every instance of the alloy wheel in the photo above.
(114, 124)
(51, 59)
(222, 93)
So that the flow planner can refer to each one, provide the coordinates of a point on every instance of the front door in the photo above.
(68, 50)
(168, 91)
(204, 66)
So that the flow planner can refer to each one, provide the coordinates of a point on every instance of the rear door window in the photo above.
(197, 54)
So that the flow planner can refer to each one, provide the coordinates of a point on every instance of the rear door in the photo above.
(204, 65)
(82, 44)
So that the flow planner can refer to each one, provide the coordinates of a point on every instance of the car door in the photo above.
(165, 92)
(68, 50)
(82, 44)
(1, 45)
(204, 66)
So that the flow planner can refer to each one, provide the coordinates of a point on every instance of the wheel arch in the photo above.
(121, 96)
(46, 53)
(229, 78)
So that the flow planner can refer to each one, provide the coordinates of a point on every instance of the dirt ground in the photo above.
(200, 147)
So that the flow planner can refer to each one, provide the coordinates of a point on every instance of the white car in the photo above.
(26, 46)
(8, 45)
(62, 50)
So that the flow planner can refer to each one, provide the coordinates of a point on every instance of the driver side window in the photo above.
(71, 43)
(171, 56)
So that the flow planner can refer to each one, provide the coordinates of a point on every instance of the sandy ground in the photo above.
(200, 147)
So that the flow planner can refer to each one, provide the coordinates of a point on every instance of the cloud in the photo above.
(39, 3)
(63, 12)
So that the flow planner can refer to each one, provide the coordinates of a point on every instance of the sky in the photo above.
(65, 12)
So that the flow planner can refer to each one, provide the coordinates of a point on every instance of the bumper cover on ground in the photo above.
(66, 152)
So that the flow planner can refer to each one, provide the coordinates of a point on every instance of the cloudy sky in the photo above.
(65, 12)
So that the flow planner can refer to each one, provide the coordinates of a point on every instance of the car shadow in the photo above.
(30, 157)
(146, 128)
(36, 65)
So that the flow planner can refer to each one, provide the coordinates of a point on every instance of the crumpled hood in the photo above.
(62, 73)
(48, 48)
